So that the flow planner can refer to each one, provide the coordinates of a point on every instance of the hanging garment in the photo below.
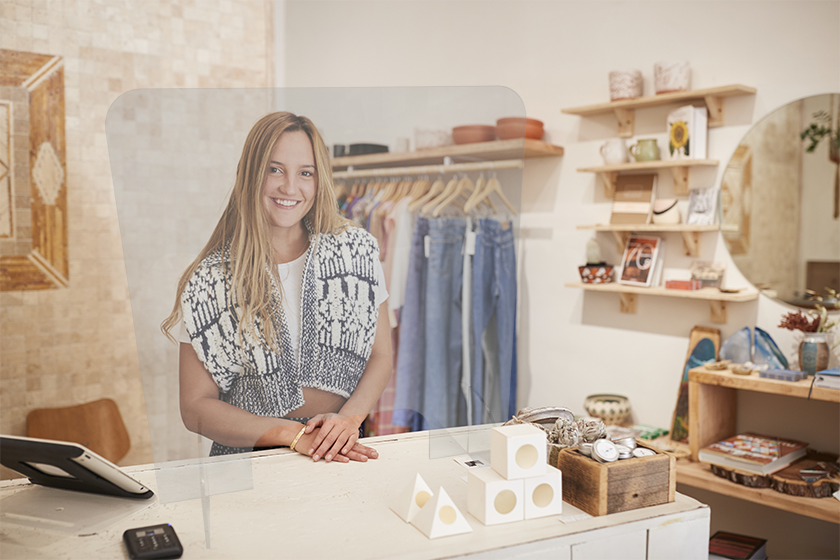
(466, 324)
(494, 297)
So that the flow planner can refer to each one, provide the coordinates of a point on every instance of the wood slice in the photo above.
(787, 480)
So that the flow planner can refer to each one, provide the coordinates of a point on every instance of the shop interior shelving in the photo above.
(625, 109)
(712, 417)
(487, 151)
(690, 233)
(679, 171)
(628, 296)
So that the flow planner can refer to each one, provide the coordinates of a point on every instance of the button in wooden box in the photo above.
(602, 488)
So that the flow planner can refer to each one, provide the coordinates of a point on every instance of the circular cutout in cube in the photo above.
(518, 451)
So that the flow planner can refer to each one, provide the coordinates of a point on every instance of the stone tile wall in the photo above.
(64, 347)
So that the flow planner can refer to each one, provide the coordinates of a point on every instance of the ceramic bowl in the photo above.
(596, 274)
(472, 133)
(612, 409)
(665, 211)
(519, 127)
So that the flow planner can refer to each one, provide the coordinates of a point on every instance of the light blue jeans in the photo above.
(494, 292)
(442, 395)
(408, 396)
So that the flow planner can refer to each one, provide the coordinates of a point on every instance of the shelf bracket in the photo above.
(680, 175)
(628, 302)
(621, 238)
(715, 106)
(718, 311)
(691, 243)
(626, 121)
(609, 178)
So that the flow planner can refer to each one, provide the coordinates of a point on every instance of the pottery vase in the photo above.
(671, 76)
(625, 84)
(813, 352)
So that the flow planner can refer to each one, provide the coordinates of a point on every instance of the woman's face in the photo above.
(291, 181)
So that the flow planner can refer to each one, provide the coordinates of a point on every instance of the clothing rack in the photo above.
(429, 169)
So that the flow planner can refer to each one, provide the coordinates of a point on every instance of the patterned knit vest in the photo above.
(338, 324)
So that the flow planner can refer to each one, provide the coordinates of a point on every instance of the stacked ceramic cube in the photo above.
(520, 484)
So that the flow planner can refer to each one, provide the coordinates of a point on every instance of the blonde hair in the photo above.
(245, 226)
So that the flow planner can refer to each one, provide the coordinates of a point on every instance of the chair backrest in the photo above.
(97, 425)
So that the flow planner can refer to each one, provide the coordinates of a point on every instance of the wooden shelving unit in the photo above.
(690, 233)
(700, 476)
(679, 170)
(624, 110)
(712, 414)
(487, 151)
(628, 296)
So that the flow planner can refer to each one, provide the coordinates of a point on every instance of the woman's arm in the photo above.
(339, 432)
(203, 413)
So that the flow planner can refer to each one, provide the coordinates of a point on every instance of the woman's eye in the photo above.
(274, 170)
(307, 173)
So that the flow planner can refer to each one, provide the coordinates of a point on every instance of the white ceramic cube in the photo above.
(518, 451)
(412, 499)
(493, 499)
(544, 494)
(440, 517)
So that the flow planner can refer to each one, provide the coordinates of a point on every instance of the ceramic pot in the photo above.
(813, 352)
(645, 150)
(473, 133)
(614, 151)
(519, 127)
(665, 211)
(671, 76)
(625, 84)
(612, 409)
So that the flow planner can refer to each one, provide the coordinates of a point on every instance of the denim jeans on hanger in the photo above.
(442, 396)
(494, 292)
(408, 395)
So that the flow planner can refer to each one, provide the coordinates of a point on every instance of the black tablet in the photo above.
(66, 465)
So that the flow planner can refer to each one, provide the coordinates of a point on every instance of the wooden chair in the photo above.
(97, 425)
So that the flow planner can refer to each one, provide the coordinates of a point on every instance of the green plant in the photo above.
(819, 130)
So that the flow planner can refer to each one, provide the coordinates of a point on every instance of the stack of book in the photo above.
(753, 453)
(730, 545)
(828, 378)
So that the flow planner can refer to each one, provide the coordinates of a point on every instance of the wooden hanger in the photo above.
(463, 185)
(493, 186)
(419, 189)
(450, 187)
(436, 188)
(473, 199)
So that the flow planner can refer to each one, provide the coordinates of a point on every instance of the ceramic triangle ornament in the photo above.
(440, 517)
(409, 501)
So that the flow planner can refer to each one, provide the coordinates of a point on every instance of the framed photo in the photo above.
(702, 205)
(639, 261)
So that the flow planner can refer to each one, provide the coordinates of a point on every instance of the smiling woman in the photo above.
(283, 342)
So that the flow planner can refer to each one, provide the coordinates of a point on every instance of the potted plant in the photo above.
(815, 347)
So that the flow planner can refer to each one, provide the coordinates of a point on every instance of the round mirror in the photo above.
(780, 199)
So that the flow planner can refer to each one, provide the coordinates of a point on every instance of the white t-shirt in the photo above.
(291, 278)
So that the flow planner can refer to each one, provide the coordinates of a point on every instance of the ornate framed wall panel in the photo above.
(33, 171)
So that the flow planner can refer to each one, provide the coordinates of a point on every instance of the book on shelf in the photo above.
(688, 133)
(731, 545)
(641, 263)
(827, 378)
(753, 453)
(633, 199)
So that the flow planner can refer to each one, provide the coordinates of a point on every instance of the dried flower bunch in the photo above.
(811, 321)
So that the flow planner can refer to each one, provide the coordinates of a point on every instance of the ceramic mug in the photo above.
(614, 151)
(645, 150)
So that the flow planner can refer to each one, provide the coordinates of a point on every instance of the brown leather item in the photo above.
(97, 425)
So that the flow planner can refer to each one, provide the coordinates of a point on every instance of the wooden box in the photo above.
(602, 488)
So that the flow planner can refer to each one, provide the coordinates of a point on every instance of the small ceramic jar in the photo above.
(625, 84)
(665, 211)
(671, 76)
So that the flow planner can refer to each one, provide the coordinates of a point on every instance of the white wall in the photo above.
(559, 54)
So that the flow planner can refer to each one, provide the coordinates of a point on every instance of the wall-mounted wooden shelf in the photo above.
(679, 170)
(700, 476)
(628, 296)
(624, 109)
(712, 416)
(487, 151)
(690, 233)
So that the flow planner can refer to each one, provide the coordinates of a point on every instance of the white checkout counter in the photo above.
(279, 504)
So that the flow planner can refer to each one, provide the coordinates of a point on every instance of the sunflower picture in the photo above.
(679, 139)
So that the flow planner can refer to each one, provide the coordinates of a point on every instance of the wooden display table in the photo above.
(292, 508)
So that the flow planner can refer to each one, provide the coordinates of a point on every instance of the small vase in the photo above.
(813, 352)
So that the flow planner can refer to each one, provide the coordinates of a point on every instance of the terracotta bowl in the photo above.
(519, 127)
(472, 133)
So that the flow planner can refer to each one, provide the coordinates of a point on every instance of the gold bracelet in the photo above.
(297, 437)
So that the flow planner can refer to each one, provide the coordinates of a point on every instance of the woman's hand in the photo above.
(355, 452)
(335, 435)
